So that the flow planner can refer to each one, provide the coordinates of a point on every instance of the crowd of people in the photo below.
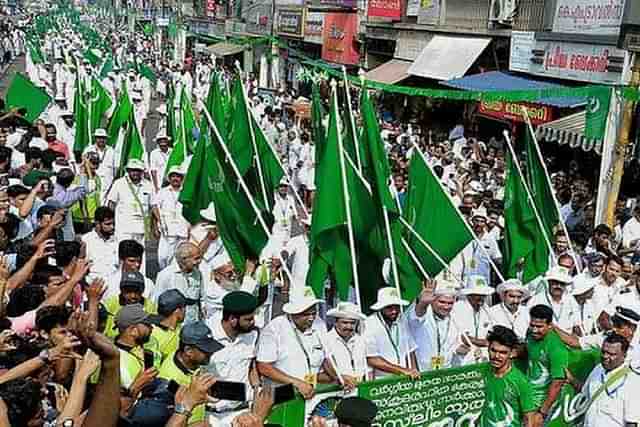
(92, 336)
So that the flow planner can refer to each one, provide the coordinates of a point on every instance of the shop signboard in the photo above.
(591, 17)
(313, 23)
(429, 12)
(290, 22)
(413, 7)
(385, 9)
(350, 4)
(512, 111)
(339, 38)
(590, 63)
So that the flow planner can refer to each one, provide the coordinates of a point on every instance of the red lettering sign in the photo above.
(538, 114)
(339, 38)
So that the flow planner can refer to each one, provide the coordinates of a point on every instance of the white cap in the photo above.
(512, 285)
(209, 214)
(176, 170)
(38, 142)
(477, 285)
(346, 310)
(481, 212)
(301, 302)
(582, 284)
(162, 135)
(220, 260)
(445, 287)
(135, 164)
(559, 274)
(388, 296)
(100, 133)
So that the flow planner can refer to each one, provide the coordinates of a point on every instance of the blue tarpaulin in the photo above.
(499, 81)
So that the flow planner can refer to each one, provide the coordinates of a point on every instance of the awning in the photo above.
(390, 72)
(499, 81)
(446, 58)
(569, 130)
(225, 49)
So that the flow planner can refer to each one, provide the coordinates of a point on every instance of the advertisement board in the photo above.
(313, 24)
(385, 9)
(290, 22)
(592, 17)
(339, 38)
(512, 111)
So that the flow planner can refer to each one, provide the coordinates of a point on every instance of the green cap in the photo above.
(239, 303)
(34, 177)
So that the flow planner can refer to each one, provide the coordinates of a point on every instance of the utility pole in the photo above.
(622, 145)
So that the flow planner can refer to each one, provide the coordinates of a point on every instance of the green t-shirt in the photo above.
(548, 359)
(507, 399)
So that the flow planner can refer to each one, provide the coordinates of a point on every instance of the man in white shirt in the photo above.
(130, 255)
(101, 246)
(236, 360)
(585, 318)
(477, 256)
(205, 235)
(510, 313)
(291, 349)
(106, 170)
(609, 285)
(158, 160)
(183, 274)
(167, 213)
(346, 347)
(631, 230)
(390, 346)
(471, 314)
(131, 197)
(556, 297)
(612, 388)
(284, 213)
(298, 248)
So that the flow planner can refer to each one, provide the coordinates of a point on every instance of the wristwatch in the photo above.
(44, 355)
(180, 409)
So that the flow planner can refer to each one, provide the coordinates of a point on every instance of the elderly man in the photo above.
(183, 274)
(205, 235)
(169, 222)
(440, 341)
(557, 298)
(131, 197)
(471, 314)
(290, 347)
(390, 346)
(345, 345)
(477, 256)
(586, 316)
(510, 312)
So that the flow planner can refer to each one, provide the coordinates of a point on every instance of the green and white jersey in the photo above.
(507, 399)
(548, 359)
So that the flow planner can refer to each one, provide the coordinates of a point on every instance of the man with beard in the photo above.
(345, 344)
(284, 213)
(132, 287)
(508, 394)
(106, 165)
(54, 143)
(556, 297)
(158, 159)
(134, 331)
(478, 254)
(170, 225)
(548, 361)
(390, 347)
(183, 274)
(236, 361)
(197, 345)
(131, 198)
(510, 312)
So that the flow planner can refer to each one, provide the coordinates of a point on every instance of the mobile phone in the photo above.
(283, 393)
(229, 390)
(148, 360)
(173, 387)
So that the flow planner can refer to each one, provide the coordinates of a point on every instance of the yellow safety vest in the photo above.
(170, 371)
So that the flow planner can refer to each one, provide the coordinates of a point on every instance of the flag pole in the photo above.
(351, 122)
(464, 221)
(243, 185)
(529, 196)
(289, 180)
(253, 142)
(430, 249)
(415, 259)
(553, 193)
(345, 194)
(392, 254)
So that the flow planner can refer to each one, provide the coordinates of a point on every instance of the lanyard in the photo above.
(304, 350)
(393, 344)
(476, 321)
(344, 343)
(606, 384)
(509, 317)
(555, 317)
(446, 334)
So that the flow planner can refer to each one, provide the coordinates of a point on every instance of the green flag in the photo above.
(22, 93)
(329, 249)
(215, 104)
(37, 57)
(177, 156)
(597, 112)
(521, 232)
(119, 117)
(434, 218)
(91, 56)
(107, 67)
(187, 121)
(539, 185)
(240, 141)
(81, 115)
(100, 103)
(131, 147)
(147, 73)
(242, 235)
(195, 195)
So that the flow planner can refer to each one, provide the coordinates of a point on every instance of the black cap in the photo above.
(132, 280)
(132, 314)
(628, 314)
(239, 303)
(356, 412)
(199, 335)
(171, 299)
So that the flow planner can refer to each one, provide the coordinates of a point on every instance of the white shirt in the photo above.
(348, 357)
(564, 312)
(158, 162)
(173, 223)
(293, 352)
(586, 317)
(604, 295)
(630, 232)
(103, 254)
(617, 404)
(107, 169)
(190, 284)
(112, 283)
(393, 344)
(284, 211)
(298, 248)
(475, 324)
(214, 293)
(519, 322)
(434, 337)
(233, 362)
(129, 215)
